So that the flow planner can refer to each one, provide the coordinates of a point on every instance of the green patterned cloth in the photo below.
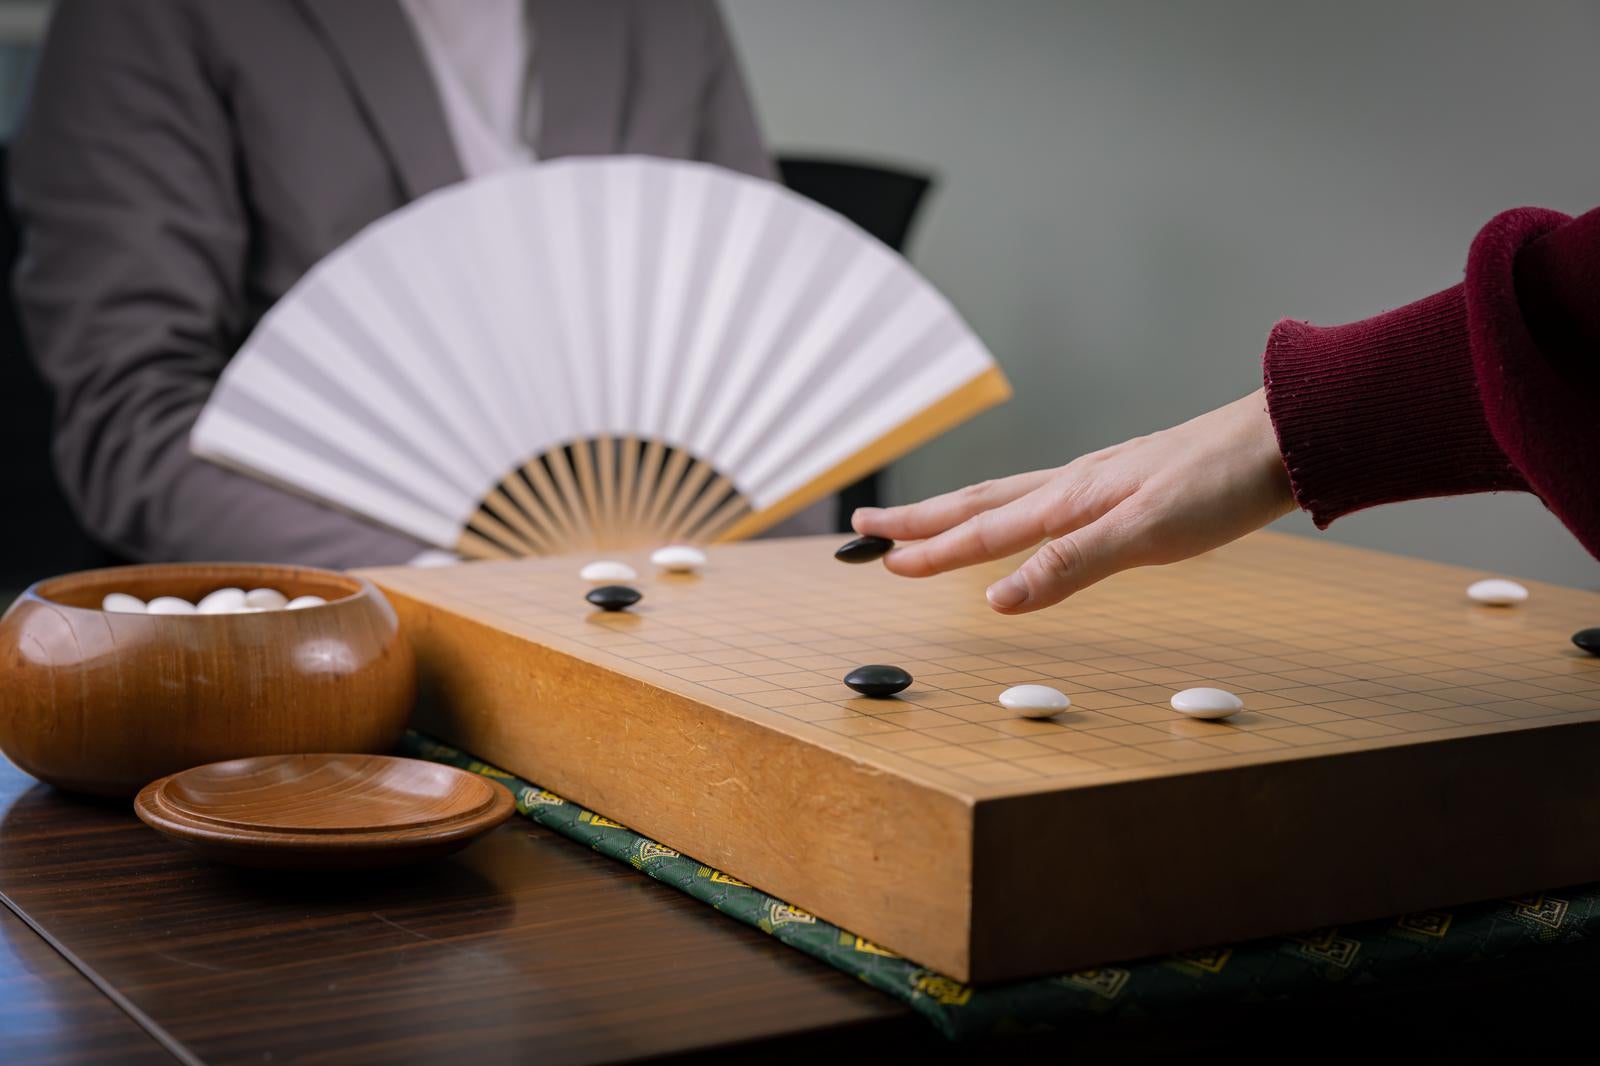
(1259, 970)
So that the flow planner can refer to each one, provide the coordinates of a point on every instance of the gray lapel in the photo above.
(380, 57)
(581, 61)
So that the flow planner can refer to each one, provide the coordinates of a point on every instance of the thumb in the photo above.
(1062, 567)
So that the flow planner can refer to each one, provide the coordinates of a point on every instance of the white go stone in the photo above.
(169, 605)
(122, 603)
(306, 601)
(266, 599)
(222, 601)
(1207, 703)
(1497, 592)
(1034, 701)
(678, 558)
(606, 571)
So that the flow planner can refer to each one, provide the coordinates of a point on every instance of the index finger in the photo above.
(918, 521)
(1052, 510)
(990, 535)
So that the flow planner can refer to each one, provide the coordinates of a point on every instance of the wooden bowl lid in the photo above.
(326, 794)
(323, 802)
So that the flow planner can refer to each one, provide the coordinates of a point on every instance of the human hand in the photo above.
(1154, 499)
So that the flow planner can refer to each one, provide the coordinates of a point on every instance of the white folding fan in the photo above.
(593, 352)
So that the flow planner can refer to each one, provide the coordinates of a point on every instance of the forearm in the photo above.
(132, 292)
(1493, 384)
(213, 513)
(123, 458)
(1382, 410)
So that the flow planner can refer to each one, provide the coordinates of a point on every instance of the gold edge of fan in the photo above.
(986, 390)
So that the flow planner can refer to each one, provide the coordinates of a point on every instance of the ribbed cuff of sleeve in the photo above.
(1382, 410)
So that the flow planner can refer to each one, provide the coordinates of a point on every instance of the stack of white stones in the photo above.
(222, 601)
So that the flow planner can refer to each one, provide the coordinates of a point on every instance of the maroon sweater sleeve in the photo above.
(1490, 385)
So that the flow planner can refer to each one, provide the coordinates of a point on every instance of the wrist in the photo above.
(1381, 410)
(1271, 468)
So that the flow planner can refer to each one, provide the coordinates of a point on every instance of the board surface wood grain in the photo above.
(1401, 747)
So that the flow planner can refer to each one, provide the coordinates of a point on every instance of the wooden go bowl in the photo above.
(104, 703)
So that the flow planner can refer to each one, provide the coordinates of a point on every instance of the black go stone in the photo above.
(1588, 640)
(864, 550)
(879, 682)
(614, 597)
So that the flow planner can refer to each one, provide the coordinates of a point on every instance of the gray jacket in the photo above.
(185, 161)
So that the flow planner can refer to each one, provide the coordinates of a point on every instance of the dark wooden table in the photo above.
(50, 1013)
(524, 947)
(117, 947)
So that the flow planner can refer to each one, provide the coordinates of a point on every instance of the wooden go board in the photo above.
(1401, 746)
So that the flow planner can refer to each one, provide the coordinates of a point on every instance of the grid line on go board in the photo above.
(1380, 648)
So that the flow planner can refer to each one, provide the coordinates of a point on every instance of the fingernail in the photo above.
(1009, 592)
(863, 512)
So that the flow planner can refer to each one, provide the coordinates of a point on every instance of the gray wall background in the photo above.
(1131, 193)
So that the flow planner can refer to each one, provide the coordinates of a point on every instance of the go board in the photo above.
(1401, 747)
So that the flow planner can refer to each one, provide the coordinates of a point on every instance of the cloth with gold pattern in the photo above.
(1276, 968)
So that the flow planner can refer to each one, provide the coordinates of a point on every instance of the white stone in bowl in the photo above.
(122, 603)
(266, 599)
(222, 601)
(1497, 592)
(305, 601)
(606, 571)
(1034, 701)
(678, 558)
(434, 557)
(169, 605)
(1207, 703)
